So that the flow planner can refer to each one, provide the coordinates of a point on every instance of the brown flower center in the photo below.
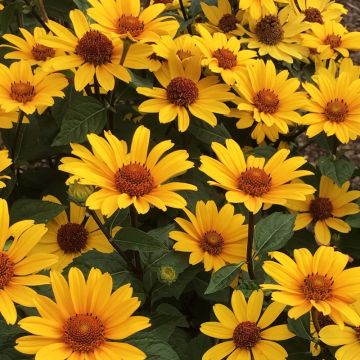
(72, 238)
(321, 208)
(134, 179)
(95, 48)
(42, 52)
(22, 91)
(246, 335)
(336, 110)
(269, 30)
(254, 182)
(357, 330)
(313, 15)
(228, 23)
(182, 91)
(225, 58)
(212, 242)
(333, 40)
(183, 54)
(266, 101)
(317, 287)
(84, 332)
(130, 24)
(6, 270)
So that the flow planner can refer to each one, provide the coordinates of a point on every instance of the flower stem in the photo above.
(335, 145)
(249, 249)
(183, 10)
(315, 319)
(134, 224)
(16, 143)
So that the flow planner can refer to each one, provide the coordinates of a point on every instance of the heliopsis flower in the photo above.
(17, 268)
(324, 209)
(268, 99)
(125, 18)
(254, 182)
(171, 4)
(21, 89)
(7, 119)
(70, 236)
(223, 56)
(183, 91)
(84, 320)
(331, 38)
(318, 281)
(213, 237)
(5, 162)
(258, 8)
(129, 177)
(246, 333)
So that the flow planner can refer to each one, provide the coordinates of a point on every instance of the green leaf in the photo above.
(223, 278)
(273, 232)
(339, 170)
(247, 287)
(354, 220)
(207, 134)
(301, 326)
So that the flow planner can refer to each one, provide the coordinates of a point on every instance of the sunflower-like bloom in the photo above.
(80, 323)
(5, 162)
(17, 268)
(7, 119)
(125, 19)
(324, 209)
(330, 39)
(269, 99)
(171, 4)
(125, 178)
(21, 89)
(223, 56)
(255, 9)
(213, 237)
(182, 91)
(254, 182)
(247, 334)
(318, 281)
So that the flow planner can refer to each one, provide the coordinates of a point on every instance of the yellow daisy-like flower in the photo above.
(21, 89)
(171, 4)
(255, 9)
(7, 119)
(331, 203)
(129, 177)
(269, 99)
(5, 162)
(213, 237)
(318, 281)
(125, 18)
(247, 334)
(330, 39)
(254, 182)
(223, 56)
(183, 91)
(80, 323)
(17, 268)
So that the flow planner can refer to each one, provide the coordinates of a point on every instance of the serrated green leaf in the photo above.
(301, 326)
(247, 287)
(339, 170)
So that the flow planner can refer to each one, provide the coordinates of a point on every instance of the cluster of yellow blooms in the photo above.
(227, 65)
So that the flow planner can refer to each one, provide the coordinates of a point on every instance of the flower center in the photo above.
(317, 287)
(313, 15)
(246, 335)
(95, 48)
(336, 110)
(84, 332)
(266, 101)
(130, 24)
(225, 58)
(212, 242)
(72, 238)
(182, 91)
(6, 270)
(269, 30)
(22, 91)
(333, 40)
(42, 52)
(183, 54)
(321, 208)
(254, 182)
(228, 23)
(357, 330)
(134, 179)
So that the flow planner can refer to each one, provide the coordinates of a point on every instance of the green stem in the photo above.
(134, 224)
(183, 10)
(249, 249)
(14, 150)
(335, 145)
(315, 319)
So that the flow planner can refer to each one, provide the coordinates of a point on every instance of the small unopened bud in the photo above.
(79, 193)
(167, 274)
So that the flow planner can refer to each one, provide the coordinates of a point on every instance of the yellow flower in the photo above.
(247, 334)
(182, 91)
(171, 4)
(325, 209)
(223, 56)
(5, 162)
(258, 8)
(213, 237)
(8, 118)
(254, 182)
(129, 177)
(269, 99)
(125, 18)
(20, 89)
(17, 267)
(318, 281)
(84, 320)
